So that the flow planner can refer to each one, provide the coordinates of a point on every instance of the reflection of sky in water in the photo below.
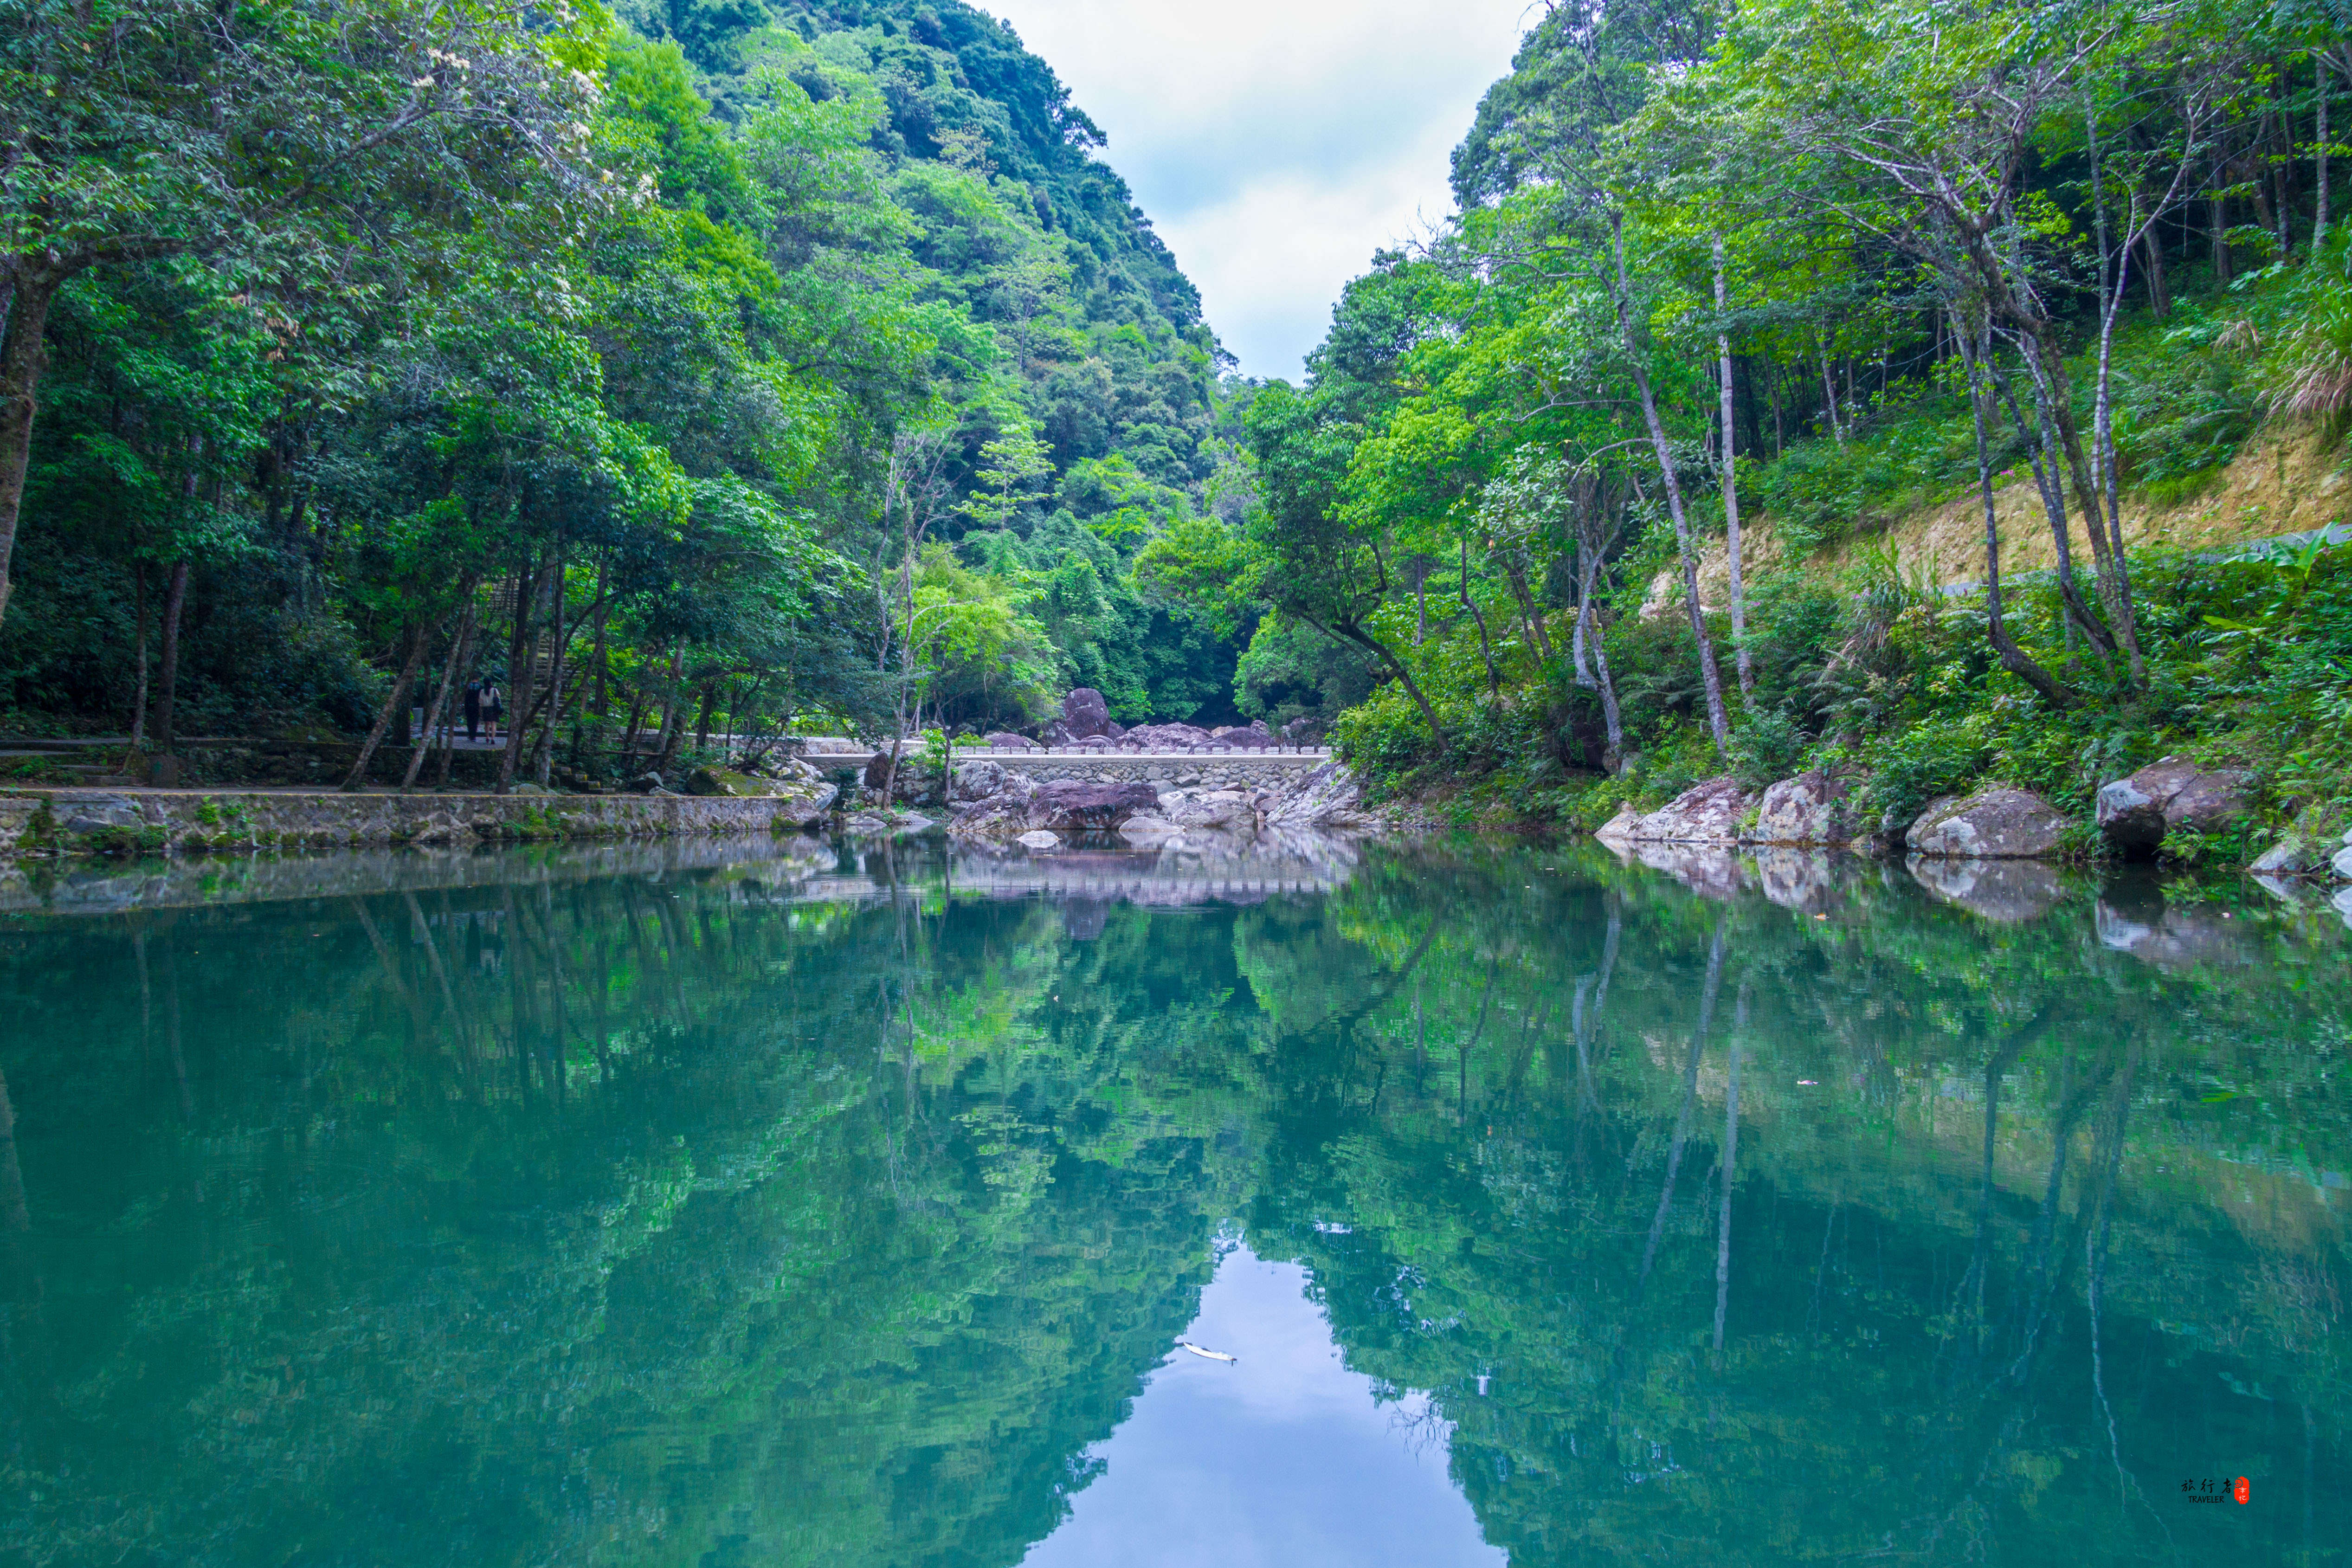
(1283, 1459)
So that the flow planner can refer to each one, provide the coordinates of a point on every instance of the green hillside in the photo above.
(833, 376)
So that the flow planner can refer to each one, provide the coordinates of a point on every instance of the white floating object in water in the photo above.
(1209, 1355)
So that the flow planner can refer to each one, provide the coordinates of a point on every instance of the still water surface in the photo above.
(729, 1205)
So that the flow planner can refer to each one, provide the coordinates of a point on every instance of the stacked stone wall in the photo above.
(130, 822)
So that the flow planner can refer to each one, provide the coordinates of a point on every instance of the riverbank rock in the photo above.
(1005, 740)
(2293, 855)
(1085, 715)
(1073, 804)
(801, 796)
(2136, 813)
(1710, 813)
(1812, 808)
(1328, 797)
(1038, 838)
(1990, 825)
(1618, 831)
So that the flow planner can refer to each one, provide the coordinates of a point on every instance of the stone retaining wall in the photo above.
(127, 822)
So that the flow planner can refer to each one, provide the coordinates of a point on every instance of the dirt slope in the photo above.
(2289, 479)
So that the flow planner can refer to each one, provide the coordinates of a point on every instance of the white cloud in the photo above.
(1277, 143)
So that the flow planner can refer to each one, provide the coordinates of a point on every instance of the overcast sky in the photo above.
(1277, 143)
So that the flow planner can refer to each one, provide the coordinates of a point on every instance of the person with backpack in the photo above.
(494, 708)
(473, 711)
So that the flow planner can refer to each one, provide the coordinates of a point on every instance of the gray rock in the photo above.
(2342, 863)
(1704, 814)
(2136, 813)
(1005, 740)
(1147, 828)
(1328, 797)
(2007, 891)
(646, 782)
(2343, 902)
(1039, 840)
(1813, 807)
(2291, 856)
(1618, 831)
(1075, 804)
(1084, 714)
(1990, 825)
(532, 789)
(976, 781)
(96, 813)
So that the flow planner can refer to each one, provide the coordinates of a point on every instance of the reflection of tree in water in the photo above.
(1967, 1291)
(666, 1219)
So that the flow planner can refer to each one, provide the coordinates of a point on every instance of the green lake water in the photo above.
(727, 1205)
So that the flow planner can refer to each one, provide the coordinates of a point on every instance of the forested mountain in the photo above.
(703, 366)
(2042, 270)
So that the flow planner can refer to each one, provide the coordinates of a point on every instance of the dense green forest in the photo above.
(1822, 263)
(703, 364)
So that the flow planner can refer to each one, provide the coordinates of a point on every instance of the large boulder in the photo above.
(2136, 813)
(1084, 714)
(1814, 807)
(1327, 796)
(976, 780)
(1165, 737)
(799, 799)
(1077, 806)
(1990, 825)
(1005, 740)
(1619, 830)
(1709, 813)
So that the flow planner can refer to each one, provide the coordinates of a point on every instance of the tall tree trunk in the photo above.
(1741, 654)
(1710, 676)
(2159, 297)
(1587, 576)
(1380, 650)
(1486, 646)
(139, 700)
(419, 636)
(542, 757)
(519, 673)
(2319, 209)
(23, 357)
(2218, 231)
(1515, 572)
(672, 712)
(461, 649)
(2036, 436)
(2013, 658)
(174, 601)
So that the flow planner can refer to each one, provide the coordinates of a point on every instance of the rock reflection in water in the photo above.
(2010, 892)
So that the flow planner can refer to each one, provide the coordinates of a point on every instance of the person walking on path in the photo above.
(494, 708)
(473, 711)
